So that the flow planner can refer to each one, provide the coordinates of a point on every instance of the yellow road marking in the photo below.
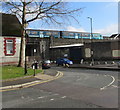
(59, 76)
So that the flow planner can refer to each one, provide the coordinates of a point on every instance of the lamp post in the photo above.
(34, 51)
(92, 60)
(25, 34)
(90, 26)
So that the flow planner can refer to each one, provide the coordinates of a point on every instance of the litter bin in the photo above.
(35, 65)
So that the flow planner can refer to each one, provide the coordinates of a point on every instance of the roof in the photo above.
(115, 36)
(67, 46)
(59, 31)
(11, 26)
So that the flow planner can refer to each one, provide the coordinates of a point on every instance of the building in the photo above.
(10, 39)
(115, 36)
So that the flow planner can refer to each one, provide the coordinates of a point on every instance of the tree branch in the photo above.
(41, 12)
(14, 5)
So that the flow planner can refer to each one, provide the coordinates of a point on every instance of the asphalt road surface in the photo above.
(78, 88)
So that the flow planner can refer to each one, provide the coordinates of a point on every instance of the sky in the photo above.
(104, 18)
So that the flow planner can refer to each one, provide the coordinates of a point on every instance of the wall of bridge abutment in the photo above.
(68, 41)
(103, 50)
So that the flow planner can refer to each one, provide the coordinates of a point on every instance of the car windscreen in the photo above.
(65, 59)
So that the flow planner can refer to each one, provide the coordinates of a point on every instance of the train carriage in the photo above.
(63, 34)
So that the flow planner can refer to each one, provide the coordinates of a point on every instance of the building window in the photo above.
(9, 46)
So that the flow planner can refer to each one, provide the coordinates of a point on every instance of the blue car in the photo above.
(63, 62)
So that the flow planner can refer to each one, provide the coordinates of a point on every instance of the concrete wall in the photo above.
(103, 50)
(42, 49)
(66, 41)
(59, 53)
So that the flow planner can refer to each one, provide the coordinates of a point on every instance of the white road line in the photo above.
(78, 79)
(41, 97)
(63, 97)
(115, 86)
(97, 74)
(57, 74)
(113, 80)
(55, 94)
(22, 97)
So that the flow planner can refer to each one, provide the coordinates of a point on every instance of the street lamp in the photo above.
(25, 34)
(91, 26)
(92, 60)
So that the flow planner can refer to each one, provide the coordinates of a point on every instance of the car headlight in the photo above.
(71, 62)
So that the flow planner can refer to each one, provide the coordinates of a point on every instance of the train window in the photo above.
(95, 35)
(85, 35)
(55, 34)
(66, 34)
(71, 35)
(41, 34)
(48, 33)
(34, 32)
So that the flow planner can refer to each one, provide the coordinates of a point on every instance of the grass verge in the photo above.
(9, 72)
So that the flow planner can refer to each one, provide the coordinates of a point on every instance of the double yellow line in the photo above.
(59, 75)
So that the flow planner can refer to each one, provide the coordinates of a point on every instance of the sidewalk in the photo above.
(98, 67)
(49, 74)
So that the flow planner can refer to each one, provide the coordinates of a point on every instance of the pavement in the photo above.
(27, 81)
(112, 67)
(49, 75)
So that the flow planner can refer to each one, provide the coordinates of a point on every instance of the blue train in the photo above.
(62, 34)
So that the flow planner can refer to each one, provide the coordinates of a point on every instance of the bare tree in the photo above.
(31, 10)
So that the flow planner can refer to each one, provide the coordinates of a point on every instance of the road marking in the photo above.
(18, 86)
(55, 94)
(22, 97)
(63, 97)
(51, 99)
(113, 80)
(9, 88)
(61, 74)
(41, 97)
(115, 86)
(97, 74)
(78, 79)
(57, 74)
